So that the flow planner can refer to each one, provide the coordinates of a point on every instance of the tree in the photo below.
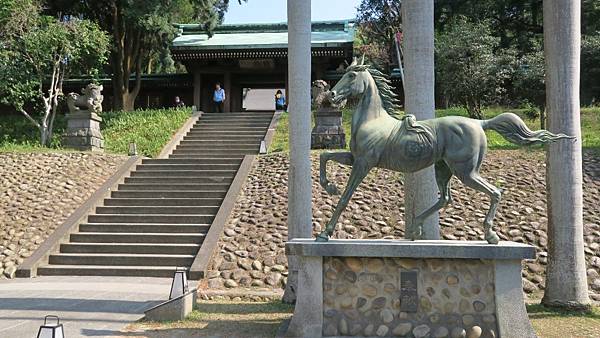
(590, 69)
(528, 82)
(471, 69)
(39, 51)
(566, 281)
(379, 21)
(140, 30)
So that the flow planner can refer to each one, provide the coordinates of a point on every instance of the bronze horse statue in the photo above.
(455, 145)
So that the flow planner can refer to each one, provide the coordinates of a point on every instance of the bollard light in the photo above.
(51, 330)
(132, 149)
(263, 147)
(179, 286)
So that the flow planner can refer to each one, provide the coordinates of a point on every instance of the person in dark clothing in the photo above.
(280, 101)
(218, 98)
(178, 103)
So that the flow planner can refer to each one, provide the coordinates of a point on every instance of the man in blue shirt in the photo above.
(219, 98)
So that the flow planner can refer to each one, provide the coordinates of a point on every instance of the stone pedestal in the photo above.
(399, 288)
(328, 132)
(83, 132)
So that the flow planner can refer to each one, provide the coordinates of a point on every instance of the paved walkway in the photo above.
(87, 306)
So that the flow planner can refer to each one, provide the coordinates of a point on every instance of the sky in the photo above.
(259, 11)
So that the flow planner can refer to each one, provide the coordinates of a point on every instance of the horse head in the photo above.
(353, 83)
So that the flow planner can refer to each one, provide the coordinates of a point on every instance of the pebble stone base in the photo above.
(360, 296)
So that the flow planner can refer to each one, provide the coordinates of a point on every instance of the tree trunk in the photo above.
(566, 284)
(299, 191)
(421, 191)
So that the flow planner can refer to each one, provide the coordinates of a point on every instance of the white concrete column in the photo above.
(421, 191)
(566, 283)
(299, 187)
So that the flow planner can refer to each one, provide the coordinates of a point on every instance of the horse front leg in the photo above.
(337, 156)
(359, 171)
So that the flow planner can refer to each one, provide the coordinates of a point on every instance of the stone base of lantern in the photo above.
(381, 288)
(328, 132)
(83, 132)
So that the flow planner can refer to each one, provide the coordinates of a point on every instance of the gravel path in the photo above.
(252, 247)
(38, 192)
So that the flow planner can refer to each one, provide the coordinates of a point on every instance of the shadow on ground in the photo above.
(219, 319)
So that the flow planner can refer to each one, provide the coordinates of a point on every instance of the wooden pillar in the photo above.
(197, 89)
(287, 88)
(228, 96)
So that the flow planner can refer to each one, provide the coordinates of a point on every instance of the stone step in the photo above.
(231, 151)
(204, 129)
(203, 193)
(134, 248)
(161, 201)
(120, 259)
(225, 132)
(154, 218)
(211, 161)
(157, 210)
(133, 237)
(222, 136)
(174, 187)
(209, 143)
(177, 177)
(226, 168)
(144, 227)
(219, 148)
(106, 270)
(228, 123)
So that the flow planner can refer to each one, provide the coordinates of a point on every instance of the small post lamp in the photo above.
(263, 147)
(179, 286)
(51, 330)
(132, 149)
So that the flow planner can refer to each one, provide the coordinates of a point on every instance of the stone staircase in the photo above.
(158, 218)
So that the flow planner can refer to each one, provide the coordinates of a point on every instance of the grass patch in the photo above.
(554, 323)
(149, 129)
(590, 127)
(262, 319)
(221, 319)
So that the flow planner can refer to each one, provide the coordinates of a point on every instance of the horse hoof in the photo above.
(322, 237)
(332, 189)
(492, 238)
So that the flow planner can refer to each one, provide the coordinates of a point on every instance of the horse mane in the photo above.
(389, 99)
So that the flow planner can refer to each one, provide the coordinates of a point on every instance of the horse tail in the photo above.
(514, 130)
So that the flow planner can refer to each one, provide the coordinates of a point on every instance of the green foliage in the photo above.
(471, 71)
(590, 69)
(38, 53)
(379, 21)
(150, 130)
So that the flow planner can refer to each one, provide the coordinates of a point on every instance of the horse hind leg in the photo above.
(475, 181)
(443, 174)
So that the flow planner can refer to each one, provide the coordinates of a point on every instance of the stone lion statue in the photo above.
(90, 100)
(321, 97)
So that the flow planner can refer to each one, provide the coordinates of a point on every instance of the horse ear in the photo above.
(354, 62)
(362, 60)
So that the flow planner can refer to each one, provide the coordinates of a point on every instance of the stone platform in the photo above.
(398, 288)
